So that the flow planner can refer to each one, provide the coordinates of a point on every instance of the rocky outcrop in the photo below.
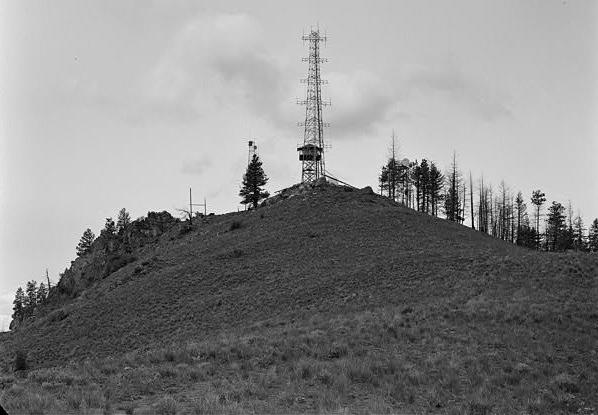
(108, 254)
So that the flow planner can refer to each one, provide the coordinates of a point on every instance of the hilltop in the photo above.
(323, 299)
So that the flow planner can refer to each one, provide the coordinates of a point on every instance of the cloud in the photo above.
(360, 100)
(216, 60)
(447, 81)
(196, 167)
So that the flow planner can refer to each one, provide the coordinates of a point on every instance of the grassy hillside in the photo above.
(327, 301)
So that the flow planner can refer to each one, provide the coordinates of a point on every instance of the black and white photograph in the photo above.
(298, 207)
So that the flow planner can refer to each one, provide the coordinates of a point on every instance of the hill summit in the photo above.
(323, 298)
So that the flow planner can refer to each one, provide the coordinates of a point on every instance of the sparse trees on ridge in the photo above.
(500, 212)
(253, 181)
(27, 301)
(417, 185)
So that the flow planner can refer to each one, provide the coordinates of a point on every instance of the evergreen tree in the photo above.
(123, 220)
(19, 305)
(42, 293)
(424, 169)
(383, 179)
(30, 297)
(435, 186)
(527, 236)
(538, 198)
(110, 227)
(520, 206)
(253, 180)
(593, 236)
(85, 242)
(579, 239)
(556, 229)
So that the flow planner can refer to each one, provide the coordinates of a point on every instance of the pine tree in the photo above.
(424, 169)
(85, 242)
(593, 236)
(42, 293)
(435, 186)
(538, 198)
(30, 297)
(383, 179)
(527, 236)
(123, 220)
(253, 180)
(19, 305)
(556, 228)
(110, 227)
(579, 239)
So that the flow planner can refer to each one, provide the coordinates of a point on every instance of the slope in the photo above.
(342, 277)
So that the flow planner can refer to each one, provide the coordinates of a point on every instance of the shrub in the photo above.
(235, 225)
(116, 262)
(57, 315)
(167, 406)
(21, 360)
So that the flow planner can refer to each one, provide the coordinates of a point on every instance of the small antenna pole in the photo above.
(190, 208)
(191, 204)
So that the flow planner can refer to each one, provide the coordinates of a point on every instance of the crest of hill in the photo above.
(309, 250)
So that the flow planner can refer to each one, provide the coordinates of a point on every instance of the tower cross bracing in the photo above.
(311, 152)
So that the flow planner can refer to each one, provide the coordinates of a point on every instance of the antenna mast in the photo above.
(252, 151)
(311, 152)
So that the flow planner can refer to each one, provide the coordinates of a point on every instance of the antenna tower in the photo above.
(311, 152)
(252, 151)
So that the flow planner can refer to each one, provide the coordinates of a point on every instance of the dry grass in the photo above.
(379, 361)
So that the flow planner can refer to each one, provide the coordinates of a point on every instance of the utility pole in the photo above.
(311, 152)
(191, 204)
(48, 278)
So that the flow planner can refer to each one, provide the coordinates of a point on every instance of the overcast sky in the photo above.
(111, 104)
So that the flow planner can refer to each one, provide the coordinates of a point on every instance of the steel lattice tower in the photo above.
(311, 153)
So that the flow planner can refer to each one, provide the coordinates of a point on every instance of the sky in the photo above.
(112, 104)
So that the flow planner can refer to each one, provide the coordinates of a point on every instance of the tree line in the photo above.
(499, 212)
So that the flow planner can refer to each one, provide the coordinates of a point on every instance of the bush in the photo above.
(116, 262)
(167, 406)
(21, 360)
(235, 225)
